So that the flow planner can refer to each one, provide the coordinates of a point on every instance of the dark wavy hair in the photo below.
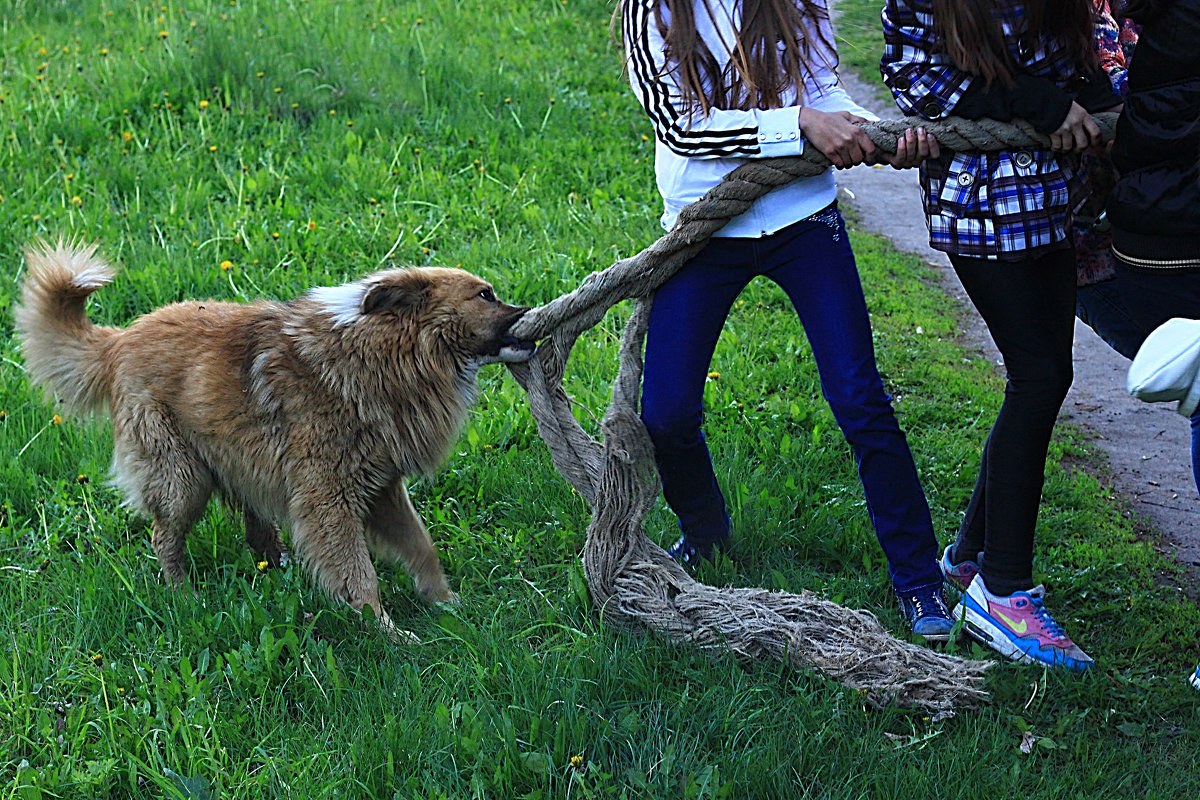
(773, 51)
(975, 41)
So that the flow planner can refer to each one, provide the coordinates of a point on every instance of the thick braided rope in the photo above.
(633, 580)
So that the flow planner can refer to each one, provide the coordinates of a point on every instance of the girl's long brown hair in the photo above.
(760, 71)
(975, 41)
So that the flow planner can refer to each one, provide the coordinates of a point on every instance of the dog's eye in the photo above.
(488, 295)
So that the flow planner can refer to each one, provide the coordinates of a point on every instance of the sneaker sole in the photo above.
(936, 638)
(980, 627)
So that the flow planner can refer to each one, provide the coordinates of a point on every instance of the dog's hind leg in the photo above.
(262, 537)
(166, 479)
(395, 532)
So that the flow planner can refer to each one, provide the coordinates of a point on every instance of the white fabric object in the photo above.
(1167, 364)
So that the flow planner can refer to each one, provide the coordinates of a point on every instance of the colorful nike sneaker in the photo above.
(957, 575)
(1195, 679)
(1019, 627)
(925, 610)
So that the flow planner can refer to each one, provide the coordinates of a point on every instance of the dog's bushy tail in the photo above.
(64, 352)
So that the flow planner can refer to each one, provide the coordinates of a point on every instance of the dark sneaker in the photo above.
(925, 610)
(690, 555)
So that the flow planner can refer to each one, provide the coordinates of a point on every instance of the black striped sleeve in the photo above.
(686, 134)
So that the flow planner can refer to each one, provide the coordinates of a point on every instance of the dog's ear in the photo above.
(409, 292)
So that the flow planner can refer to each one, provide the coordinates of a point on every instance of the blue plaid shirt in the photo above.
(1007, 205)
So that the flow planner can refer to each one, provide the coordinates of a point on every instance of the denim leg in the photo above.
(1196, 449)
(686, 318)
(816, 269)
(1101, 308)
(1155, 297)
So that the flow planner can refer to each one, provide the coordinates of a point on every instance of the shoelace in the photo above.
(919, 601)
(1049, 625)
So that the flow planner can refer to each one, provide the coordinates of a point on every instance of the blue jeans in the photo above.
(812, 262)
(1101, 307)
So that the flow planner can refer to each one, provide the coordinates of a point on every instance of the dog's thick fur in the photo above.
(309, 413)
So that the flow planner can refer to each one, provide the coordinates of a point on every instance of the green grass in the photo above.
(308, 142)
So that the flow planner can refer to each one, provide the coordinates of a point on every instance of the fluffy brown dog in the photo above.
(309, 413)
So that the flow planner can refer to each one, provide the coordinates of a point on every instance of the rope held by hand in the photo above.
(632, 580)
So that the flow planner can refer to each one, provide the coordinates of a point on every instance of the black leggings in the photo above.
(1029, 308)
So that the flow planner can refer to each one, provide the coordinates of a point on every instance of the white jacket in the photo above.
(693, 150)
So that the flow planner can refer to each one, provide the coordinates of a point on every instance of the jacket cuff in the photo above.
(1036, 100)
(779, 132)
(1095, 92)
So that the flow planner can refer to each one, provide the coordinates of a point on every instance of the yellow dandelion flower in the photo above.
(3, 416)
(203, 104)
(312, 226)
(333, 112)
(262, 566)
(70, 176)
(56, 420)
(212, 148)
(103, 51)
(226, 266)
(712, 376)
(275, 235)
(83, 479)
(576, 762)
(97, 659)
(163, 34)
(76, 200)
(126, 136)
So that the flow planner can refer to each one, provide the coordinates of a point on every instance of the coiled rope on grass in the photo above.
(632, 580)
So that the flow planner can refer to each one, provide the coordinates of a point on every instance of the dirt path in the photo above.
(1148, 446)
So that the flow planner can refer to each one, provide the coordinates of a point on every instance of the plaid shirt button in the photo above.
(964, 179)
(1023, 158)
(932, 110)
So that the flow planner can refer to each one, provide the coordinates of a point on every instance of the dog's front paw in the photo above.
(441, 597)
